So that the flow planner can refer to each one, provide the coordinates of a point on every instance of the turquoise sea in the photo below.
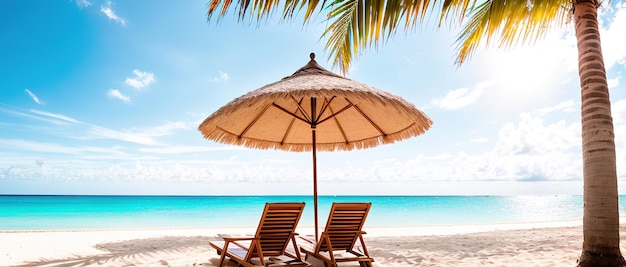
(109, 212)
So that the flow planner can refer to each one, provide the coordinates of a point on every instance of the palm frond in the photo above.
(262, 9)
(357, 25)
(415, 11)
(293, 6)
(508, 22)
(457, 9)
(213, 6)
(341, 33)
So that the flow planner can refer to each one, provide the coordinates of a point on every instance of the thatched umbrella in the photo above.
(315, 109)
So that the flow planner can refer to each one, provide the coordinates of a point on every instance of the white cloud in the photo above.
(77, 130)
(55, 116)
(85, 131)
(34, 97)
(532, 136)
(222, 77)
(612, 83)
(168, 128)
(56, 119)
(117, 94)
(47, 147)
(614, 36)
(529, 149)
(566, 106)
(534, 149)
(97, 132)
(143, 136)
(618, 111)
(83, 3)
(142, 79)
(462, 97)
(111, 14)
(188, 149)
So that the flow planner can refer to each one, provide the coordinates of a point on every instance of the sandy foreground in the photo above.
(534, 244)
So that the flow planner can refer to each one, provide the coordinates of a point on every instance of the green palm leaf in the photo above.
(508, 22)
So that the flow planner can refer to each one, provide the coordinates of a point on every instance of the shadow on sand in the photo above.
(161, 251)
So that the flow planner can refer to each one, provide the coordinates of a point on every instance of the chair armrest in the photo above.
(308, 240)
(228, 237)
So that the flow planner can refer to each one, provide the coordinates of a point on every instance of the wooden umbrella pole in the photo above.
(314, 121)
(315, 183)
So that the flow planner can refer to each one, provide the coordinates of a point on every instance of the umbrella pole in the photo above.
(315, 182)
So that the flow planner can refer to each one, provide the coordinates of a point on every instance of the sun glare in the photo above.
(531, 75)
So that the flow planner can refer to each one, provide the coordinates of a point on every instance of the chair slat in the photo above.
(343, 232)
(275, 232)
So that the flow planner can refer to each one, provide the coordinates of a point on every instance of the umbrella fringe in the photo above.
(225, 137)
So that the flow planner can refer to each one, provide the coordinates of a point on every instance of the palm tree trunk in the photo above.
(601, 213)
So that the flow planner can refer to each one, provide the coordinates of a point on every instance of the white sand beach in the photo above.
(533, 244)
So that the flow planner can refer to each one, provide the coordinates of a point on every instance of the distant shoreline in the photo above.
(422, 230)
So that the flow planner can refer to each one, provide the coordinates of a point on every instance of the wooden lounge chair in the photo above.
(270, 245)
(342, 239)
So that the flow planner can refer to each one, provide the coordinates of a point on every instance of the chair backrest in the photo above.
(277, 226)
(344, 225)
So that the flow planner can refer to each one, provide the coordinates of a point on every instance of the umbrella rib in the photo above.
(368, 119)
(291, 113)
(341, 110)
(324, 107)
(343, 133)
(247, 138)
(301, 109)
(282, 141)
(405, 128)
(253, 121)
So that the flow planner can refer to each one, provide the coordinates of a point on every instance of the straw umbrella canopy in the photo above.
(315, 110)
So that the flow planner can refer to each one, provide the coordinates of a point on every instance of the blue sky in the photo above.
(105, 97)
